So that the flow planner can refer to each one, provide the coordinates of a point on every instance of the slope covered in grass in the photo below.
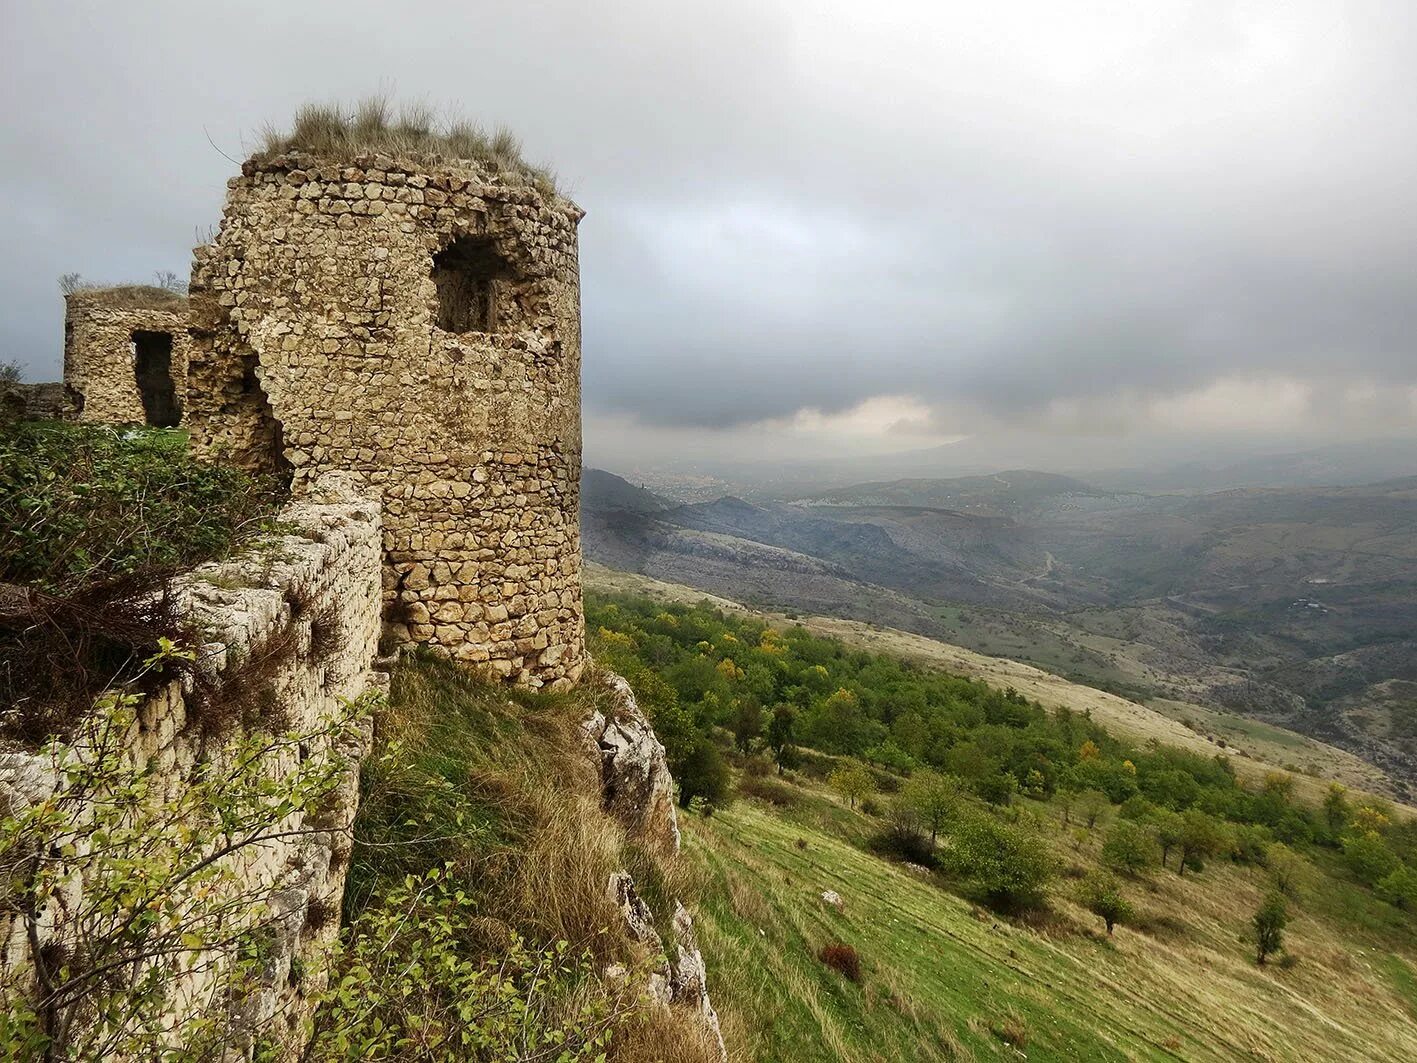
(946, 980)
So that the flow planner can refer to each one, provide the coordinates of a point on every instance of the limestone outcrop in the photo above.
(636, 786)
(637, 789)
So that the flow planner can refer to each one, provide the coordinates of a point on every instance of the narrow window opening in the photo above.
(152, 365)
(467, 274)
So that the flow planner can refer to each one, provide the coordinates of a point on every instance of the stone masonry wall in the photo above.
(419, 326)
(26, 402)
(100, 366)
(325, 571)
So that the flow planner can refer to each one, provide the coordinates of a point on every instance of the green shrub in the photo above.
(704, 774)
(83, 503)
(524, 1003)
(1102, 895)
(1368, 857)
(1006, 866)
(1131, 848)
(1399, 888)
(1267, 926)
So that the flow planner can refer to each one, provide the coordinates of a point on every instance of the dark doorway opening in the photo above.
(466, 274)
(152, 365)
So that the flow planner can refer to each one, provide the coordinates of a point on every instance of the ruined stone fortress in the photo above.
(413, 323)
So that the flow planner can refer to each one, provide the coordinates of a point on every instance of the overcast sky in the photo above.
(822, 226)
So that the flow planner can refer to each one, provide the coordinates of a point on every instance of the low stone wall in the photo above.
(37, 402)
(307, 606)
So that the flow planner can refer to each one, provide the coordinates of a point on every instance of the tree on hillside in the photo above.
(1369, 857)
(1284, 864)
(1003, 865)
(935, 796)
(853, 782)
(1399, 888)
(998, 788)
(1091, 806)
(1201, 836)
(747, 723)
(1102, 895)
(10, 372)
(781, 730)
(1268, 927)
(1336, 810)
(1130, 847)
(703, 773)
(1168, 831)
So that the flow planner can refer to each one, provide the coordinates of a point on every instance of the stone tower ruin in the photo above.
(415, 323)
(125, 354)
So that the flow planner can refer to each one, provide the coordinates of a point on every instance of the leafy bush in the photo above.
(1267, 926)
(703, 774)
(1368, 857)
(1400, 888)
(842, 959)
(1131, 848)
(84, 503)
(1102, 895)
(524, 1003)
(1006, 866)
(766, 788)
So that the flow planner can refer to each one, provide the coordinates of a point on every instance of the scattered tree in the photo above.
(1201, 836)
(935, 796)
(747, 723)
(1003, 865)
(703, 773)
(1336, 811)
(1102, 896)
(1284, 865)
(1091, 806)
(853, 782)
(1131, 848)
(1268, 926)
(10, 372)
(780, 735)
(1168, 831)
(1400, 888)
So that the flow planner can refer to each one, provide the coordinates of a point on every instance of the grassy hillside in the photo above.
(1254, 748)
(946, 980)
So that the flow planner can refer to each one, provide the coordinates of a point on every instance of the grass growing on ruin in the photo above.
(481, 846)
(944, 980)
(413, 130)
(82, 503)
(94, 520)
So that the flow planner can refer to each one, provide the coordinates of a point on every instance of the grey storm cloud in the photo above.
(806, 205)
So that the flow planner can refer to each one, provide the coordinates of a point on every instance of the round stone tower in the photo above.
(416, 323)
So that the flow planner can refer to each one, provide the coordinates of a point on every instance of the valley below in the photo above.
(1231, 613)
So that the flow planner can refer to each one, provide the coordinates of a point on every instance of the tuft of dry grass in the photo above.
(412, 130)
(130, 296)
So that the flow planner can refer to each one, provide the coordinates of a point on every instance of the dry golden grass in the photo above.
(509, 794)
(412, 131)
(134, 296)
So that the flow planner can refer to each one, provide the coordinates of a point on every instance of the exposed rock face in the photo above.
(418, 324)
(638, 790)
(679, 979)
(635, 781)
(325, 573)
(125, 354)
